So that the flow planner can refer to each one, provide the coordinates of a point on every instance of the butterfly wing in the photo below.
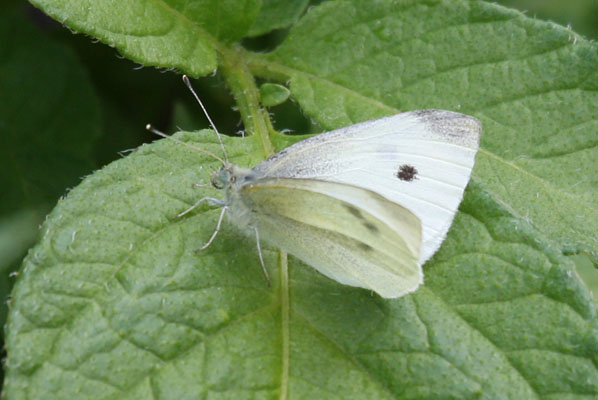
(349, 234)
(421, 160)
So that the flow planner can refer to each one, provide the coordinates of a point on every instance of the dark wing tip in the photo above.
(454, 127)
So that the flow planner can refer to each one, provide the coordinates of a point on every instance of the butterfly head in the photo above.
(229, 175)
(221, 179)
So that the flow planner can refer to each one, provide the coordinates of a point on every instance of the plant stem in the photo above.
(284, 306)
(243, 88)
(240, 80)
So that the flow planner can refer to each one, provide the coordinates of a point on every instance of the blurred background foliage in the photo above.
(580, 15)
(95, 104)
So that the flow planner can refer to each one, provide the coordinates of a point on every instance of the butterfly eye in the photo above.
(217, 183)
(222, 178)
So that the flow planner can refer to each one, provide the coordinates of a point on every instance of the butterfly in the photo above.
(366, 205)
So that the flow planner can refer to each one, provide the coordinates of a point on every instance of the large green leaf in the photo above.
(155, 33)
(114, 302)
(276, 14)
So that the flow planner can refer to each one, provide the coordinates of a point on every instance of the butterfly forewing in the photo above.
(350, 234)
(421, 160)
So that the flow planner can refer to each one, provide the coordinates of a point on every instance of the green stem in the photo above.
(243, 88)
(239, 79)
(284, 306)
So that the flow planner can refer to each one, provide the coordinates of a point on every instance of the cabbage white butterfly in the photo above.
(365, 205)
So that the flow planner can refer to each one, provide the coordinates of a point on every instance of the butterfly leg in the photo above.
(202, 185)
(259, 252)
(205, 246)
(212, 200)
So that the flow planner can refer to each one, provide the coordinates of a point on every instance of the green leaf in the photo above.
(155, 33)
(277, 14)
(587, 272)
(115, 303)
(227, 20)
(115, 300)
(273, 94)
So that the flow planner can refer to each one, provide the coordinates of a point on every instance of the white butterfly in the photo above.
(365, 205)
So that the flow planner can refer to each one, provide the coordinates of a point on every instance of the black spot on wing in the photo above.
(353, 210)
(371, 227)
(356, 212)
(406, 173)
(364, 246)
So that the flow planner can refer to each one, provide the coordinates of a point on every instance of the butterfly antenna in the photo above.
(188, 84)
(153, 130)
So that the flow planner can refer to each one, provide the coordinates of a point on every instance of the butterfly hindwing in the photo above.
(349, 234)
